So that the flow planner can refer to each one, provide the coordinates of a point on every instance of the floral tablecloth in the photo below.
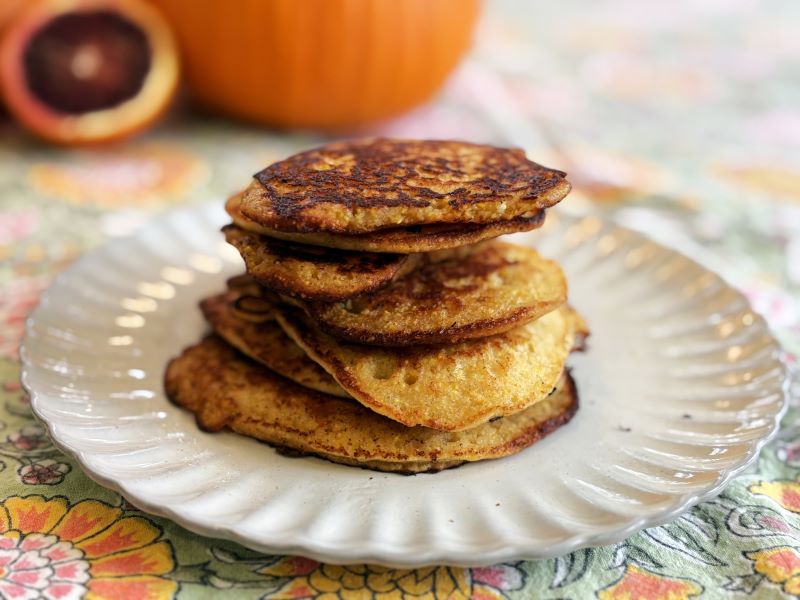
(681, 119)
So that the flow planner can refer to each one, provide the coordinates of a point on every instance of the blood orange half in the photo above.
(84, 71)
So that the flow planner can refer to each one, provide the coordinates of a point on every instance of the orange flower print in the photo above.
(49, 549)
(609, 178)
(780, 565)
(310, 579)
(785, 493)
(150, 173)
(768, 179)
(638, 584)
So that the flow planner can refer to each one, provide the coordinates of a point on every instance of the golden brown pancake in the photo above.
(484, 290)
(256, 334)
(312, 272)
(224, 389)
(451, 387)
(360, 186)
(401, 240)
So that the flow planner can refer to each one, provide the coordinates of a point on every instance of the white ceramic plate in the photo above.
(680, 387)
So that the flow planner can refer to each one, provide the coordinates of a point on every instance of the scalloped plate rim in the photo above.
(404, 557)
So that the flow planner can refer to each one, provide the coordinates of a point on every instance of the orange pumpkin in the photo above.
(8, 9)
(325, 64)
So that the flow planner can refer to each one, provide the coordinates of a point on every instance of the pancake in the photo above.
(452, 387)
(312, 272)
(260, 337)
(495, 287)
(225, 390)
(360, 186)
(402, 240)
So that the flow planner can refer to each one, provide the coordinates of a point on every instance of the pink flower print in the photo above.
(773, 523)
(503, 577)
(789, 452)
(777, 306)
(41, 566)
(17, 225)
(44, 472)
(29, 438)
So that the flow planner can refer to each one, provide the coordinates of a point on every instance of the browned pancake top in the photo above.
(365, 185)
(223, 389)
(450, 388)
(475, 292)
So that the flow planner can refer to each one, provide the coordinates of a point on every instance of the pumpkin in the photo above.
(326, 64)
(8, 9)
(86, 71)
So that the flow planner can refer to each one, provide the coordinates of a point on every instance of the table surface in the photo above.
(679, 119)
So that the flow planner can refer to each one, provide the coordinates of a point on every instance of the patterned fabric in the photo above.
(681, 119)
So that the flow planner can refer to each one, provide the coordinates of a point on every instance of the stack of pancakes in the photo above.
(379, 323)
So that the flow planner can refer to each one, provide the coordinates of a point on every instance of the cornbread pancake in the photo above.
(401, 240)
(451, 387)
(494, 288)
(360, 186)
(312, 272)
(256, 334)
(224, 389)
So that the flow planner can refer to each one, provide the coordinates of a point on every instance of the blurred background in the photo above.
(681, 119)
